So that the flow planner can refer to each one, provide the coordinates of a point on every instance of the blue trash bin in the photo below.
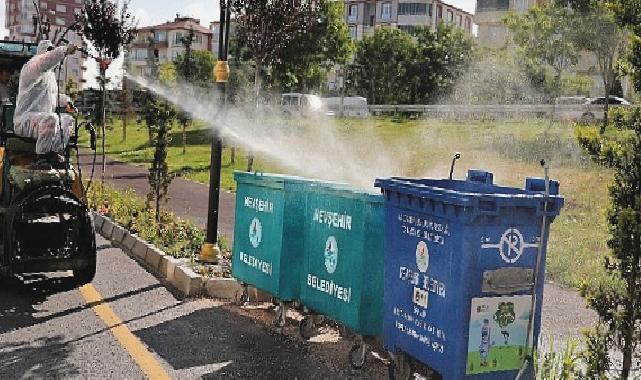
(460, 258)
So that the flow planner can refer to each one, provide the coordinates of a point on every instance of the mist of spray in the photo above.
(317, 147)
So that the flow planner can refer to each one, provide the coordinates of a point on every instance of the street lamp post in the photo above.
(210, 250)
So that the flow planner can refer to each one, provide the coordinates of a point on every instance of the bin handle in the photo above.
(487, 206)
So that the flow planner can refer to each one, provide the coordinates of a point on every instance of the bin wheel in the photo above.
(281, 315)
(307, 328)
(399, 368)
(358, 355)
(242, 299)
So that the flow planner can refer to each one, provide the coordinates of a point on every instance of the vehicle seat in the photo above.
(22, 177)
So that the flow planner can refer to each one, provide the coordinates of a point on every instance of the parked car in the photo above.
(613, 101)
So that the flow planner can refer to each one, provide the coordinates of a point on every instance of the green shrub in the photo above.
(176, 236)
(563, 365)
(603, 149)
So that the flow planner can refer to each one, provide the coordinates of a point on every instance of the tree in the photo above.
(545, 36)
(496, 77)
(184, 68)
(195, 68)
(443, 56)
(617, 299)
(303, 64)
(381, 67)
(159, 115)
(127, 102)
(393, 67)
(109, 28)
(266, 27)
(597, 32)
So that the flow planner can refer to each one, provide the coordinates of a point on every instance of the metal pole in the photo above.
(210, 250)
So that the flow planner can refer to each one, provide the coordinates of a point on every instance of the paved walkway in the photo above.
(187, 199)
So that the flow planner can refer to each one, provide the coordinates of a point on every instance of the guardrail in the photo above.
(522, 111)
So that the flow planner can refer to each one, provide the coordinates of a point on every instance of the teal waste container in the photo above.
(342, 270)
(460, 263)
(268, 233)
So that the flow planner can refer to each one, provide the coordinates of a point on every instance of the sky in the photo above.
(149, 12)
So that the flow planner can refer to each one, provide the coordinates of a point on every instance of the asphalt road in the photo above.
(50, 330)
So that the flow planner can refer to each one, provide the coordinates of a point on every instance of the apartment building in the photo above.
(215, 30)
(165, 42)
(364, 16)
(19, 20)
(489, 16)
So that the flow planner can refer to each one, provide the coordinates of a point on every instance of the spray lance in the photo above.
(527, 370)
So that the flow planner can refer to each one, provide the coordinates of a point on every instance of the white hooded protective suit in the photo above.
(35, 115)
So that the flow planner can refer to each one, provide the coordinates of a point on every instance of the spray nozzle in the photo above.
(456, 157)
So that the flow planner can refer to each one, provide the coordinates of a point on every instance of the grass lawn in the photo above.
(511, 150)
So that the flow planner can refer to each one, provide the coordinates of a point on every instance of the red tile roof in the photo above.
(180, 23)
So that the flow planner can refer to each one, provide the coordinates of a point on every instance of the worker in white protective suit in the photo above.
(35, 115)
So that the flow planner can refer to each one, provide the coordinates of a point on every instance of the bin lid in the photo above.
(341, 190)
(478, 191)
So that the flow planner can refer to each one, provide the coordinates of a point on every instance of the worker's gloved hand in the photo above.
(71, 48)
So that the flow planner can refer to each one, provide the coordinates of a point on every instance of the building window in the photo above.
(459, 20)
(353, 13)
(179, 38)
(60, 21)
(521, 5)
(450, 16)
(78, 1)
(160, 36)
(411, 29)
(43, 5)
(61, 8)
(140, 54)
(352, 32)
(468, 24)
(386, 11)
(429, 9)
(439, 12)
(412, 9)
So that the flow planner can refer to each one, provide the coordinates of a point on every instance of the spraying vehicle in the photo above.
(45, 224)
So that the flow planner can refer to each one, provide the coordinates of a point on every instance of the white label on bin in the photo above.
(331, 255)
(511, 245)
(422, 256)
(420, 297)
(255, 232)
(260, 205)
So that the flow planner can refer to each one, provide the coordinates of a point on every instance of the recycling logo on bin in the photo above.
(510, 246)
(331, 255)
(255, 232)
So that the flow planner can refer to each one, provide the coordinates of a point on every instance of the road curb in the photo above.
(175, 271)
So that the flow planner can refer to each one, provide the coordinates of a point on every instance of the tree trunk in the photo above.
(606, 109)
(233, 155)
(257, 83)
(124, 126)
(555, 95)
(184, 133)
(103, 121)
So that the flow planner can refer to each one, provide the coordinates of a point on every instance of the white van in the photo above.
(306, 104)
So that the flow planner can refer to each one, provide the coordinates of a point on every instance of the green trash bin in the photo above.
(268, 234)
(342, 270)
